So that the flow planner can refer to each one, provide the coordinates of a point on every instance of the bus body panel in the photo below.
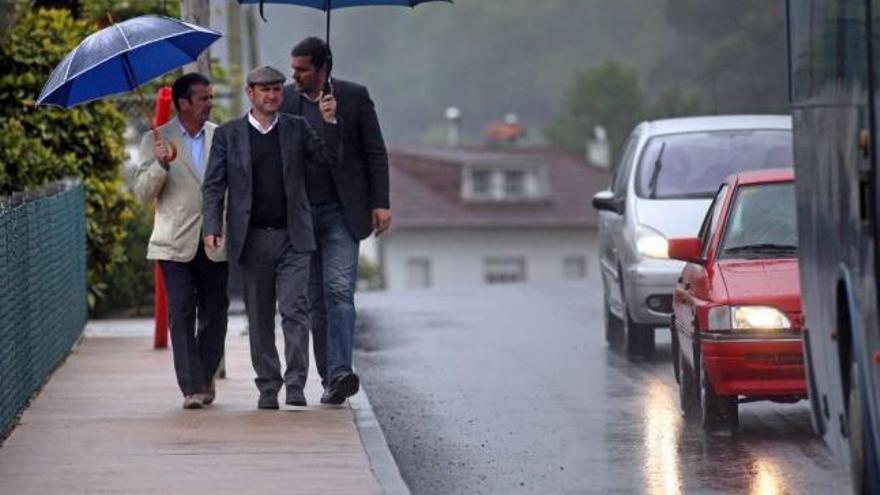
(835, 148)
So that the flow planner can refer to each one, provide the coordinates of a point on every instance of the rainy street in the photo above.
(512, 389)
(244, 245)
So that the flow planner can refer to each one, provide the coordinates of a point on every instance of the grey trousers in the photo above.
(273, 272)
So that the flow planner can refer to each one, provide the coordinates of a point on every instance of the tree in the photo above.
(197, 12)
(38, 145)
(607, 96)
(674, 102)
(730, 53)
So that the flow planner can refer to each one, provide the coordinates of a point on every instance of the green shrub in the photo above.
(38, 145)
(130, 286)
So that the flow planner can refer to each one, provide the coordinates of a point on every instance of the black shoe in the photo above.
(295, 398)
(331, 397)
(268, 401)
(341, 388)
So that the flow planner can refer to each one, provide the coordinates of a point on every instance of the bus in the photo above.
(834, 73)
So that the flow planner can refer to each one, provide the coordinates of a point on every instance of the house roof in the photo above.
(426, 189)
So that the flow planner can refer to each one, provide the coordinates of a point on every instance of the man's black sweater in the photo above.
(270, 202)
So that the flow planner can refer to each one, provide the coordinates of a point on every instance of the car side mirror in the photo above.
(606, 201)
(687, 249)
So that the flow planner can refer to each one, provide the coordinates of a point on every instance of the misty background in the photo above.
(571, 64)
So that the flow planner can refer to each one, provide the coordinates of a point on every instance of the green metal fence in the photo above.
(42, 288)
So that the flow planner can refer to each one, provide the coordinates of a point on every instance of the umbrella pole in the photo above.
(327, 36)
(129, 73)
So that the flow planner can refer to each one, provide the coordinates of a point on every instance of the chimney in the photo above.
(453, 116)
(598, 148)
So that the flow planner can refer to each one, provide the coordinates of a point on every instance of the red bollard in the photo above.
(160, 339)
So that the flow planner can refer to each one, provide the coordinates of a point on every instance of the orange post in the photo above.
(160, 340)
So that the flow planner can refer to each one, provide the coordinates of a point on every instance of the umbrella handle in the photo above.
(172, 148)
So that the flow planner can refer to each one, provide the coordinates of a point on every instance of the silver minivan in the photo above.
(667, 175)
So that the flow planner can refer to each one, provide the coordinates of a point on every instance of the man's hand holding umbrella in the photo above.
(164, 154)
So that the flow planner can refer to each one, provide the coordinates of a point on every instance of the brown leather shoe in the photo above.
(193, 402)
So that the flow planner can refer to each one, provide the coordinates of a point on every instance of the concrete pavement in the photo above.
(110, 421)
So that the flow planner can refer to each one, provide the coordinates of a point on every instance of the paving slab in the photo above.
(110, 421)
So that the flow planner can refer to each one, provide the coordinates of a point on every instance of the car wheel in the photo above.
(676, 366)
(688, 390)
(718, 411)
(639, 338)
(613, 325)
(861, 481)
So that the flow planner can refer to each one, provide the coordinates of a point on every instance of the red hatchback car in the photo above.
(737, 315)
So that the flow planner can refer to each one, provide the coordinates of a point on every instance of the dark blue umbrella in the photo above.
(123, 56)
(328, 5)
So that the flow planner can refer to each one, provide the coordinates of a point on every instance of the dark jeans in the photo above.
(196, 290)
(271, 271)
(331, 292)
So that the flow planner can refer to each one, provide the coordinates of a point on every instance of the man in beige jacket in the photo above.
(195, 276)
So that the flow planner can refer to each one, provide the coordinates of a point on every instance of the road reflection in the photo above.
(767, 480)
(662, 422)
(588, 420)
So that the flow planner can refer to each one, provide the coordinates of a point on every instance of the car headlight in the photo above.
(747, 318)
(758, 317)
(651, 244)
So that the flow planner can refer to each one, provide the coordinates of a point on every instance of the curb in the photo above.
(376, 447)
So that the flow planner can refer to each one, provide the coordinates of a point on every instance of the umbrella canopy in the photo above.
(328, 5)
(123, 56)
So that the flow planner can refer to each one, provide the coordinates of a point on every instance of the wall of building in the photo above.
(457, 257)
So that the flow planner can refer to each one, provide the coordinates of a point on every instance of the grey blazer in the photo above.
(230, 176)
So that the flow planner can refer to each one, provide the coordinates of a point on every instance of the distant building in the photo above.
(489, 216)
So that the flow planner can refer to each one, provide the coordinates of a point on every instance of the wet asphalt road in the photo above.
(513, 390)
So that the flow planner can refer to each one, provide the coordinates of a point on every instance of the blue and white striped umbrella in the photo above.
(122, 57)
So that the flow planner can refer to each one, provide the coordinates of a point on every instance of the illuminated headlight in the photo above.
(758, 317)
(747, 318)
(651, 244)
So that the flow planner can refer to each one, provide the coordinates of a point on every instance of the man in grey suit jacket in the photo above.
(195, 277)
(258, 165)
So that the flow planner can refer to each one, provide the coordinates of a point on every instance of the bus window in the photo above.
(827, 45)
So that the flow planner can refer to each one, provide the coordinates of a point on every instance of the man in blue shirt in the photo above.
(195, 274)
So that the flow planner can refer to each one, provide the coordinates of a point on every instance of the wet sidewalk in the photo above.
(110, 421)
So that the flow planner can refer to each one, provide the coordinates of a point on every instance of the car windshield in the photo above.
(762, 223)
(692, 165)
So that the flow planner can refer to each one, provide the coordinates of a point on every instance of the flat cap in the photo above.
(265, 75)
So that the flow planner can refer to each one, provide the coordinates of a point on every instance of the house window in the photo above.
(482, 183)
(503, 184)
(418, 273)
(574, 267)
(514, 184)
(504, 270)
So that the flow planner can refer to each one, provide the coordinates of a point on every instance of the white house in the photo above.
(465, 216)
